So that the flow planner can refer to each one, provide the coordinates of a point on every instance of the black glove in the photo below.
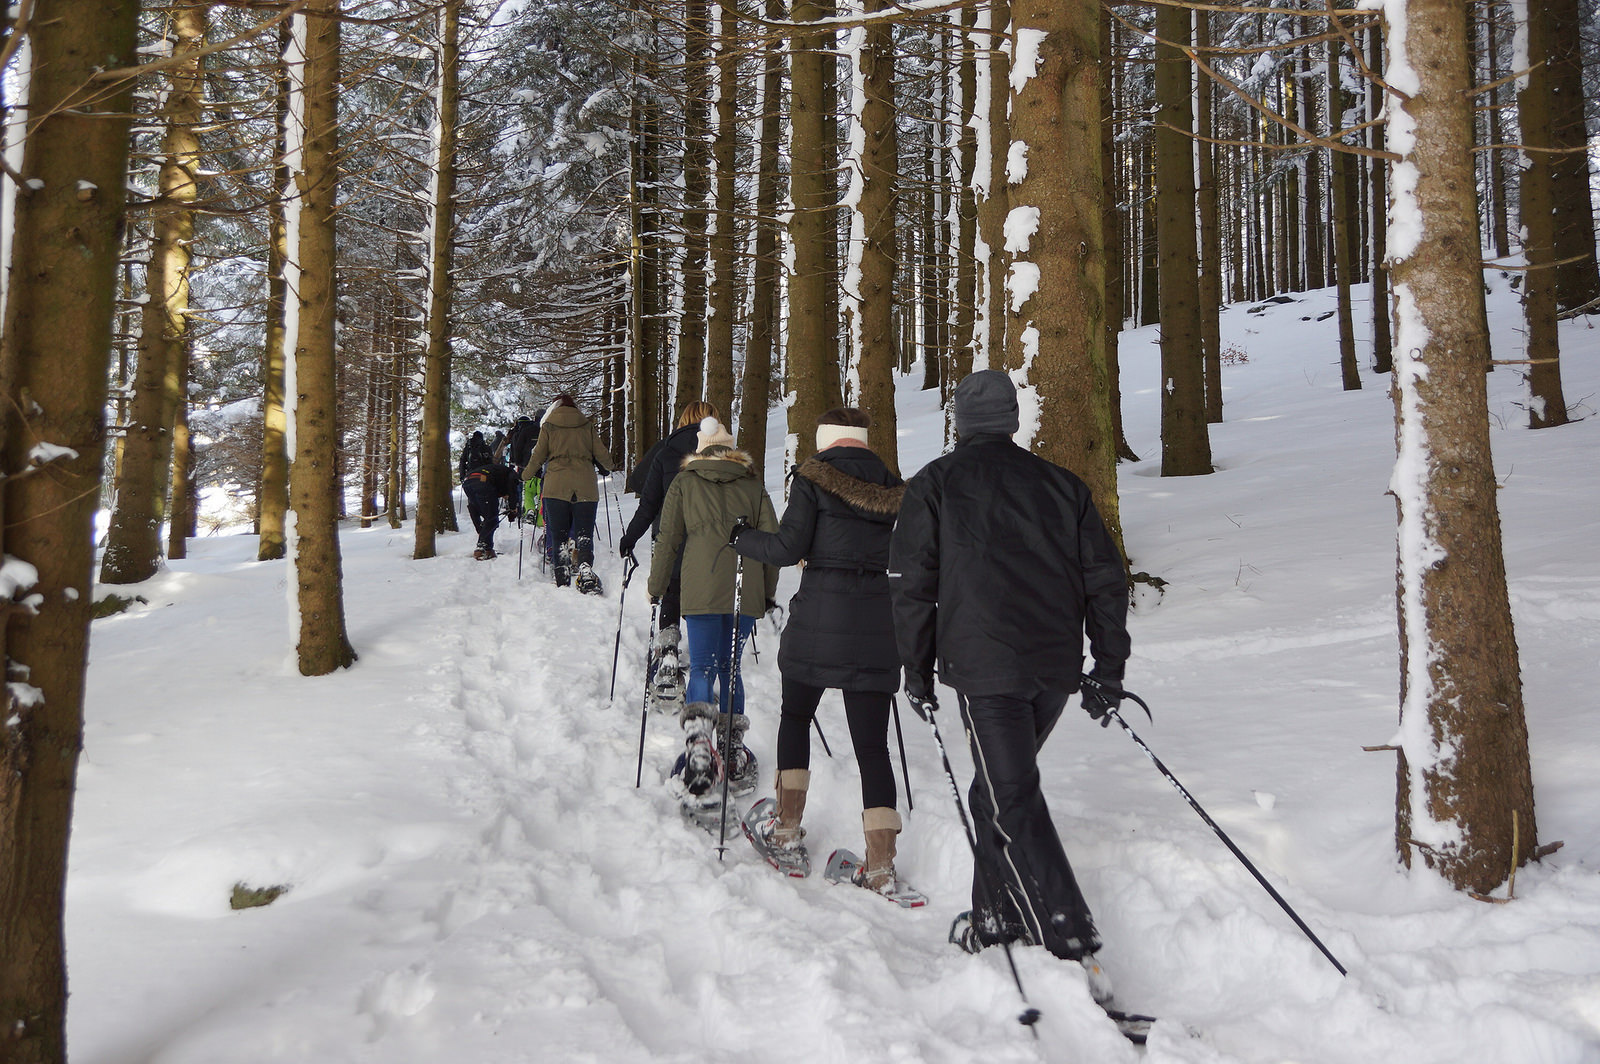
(626, 544)
(740, 523)
(919, 692)
(1100, 697)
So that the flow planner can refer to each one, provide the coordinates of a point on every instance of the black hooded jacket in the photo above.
(664, 461)
(999, 565)
(841, 511)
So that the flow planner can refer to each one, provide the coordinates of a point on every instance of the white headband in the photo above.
(828, 435)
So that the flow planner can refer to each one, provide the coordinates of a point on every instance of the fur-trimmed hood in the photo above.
(704, 459)
(880, 499)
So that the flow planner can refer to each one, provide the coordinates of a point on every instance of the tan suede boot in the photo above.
(792, 786)
(880, 824)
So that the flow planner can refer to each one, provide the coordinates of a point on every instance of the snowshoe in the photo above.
(744, 773)
(973, 934)
(666, 682)
(759, 824)
(1134, 1026)
(699, 767)
(563, 575)
(483, 553)
(588, 580)
(845, 867)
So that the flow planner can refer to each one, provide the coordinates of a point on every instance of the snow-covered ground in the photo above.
(473, 876)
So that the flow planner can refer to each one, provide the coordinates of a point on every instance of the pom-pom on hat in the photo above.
(712, 434)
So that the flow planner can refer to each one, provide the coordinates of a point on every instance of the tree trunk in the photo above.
(1112, 237)
(1465, 789)
(755, 393)
(724, 152)
(181, 524)
(812, 338)
(1578, 276)
(1206, 202)
(964, 264)
(1343, 252)
(994, 141)
(1185, 443)
(1055, 338)
(133, 542)
(434, 510)
(1547, 405)
(54, 363)
(696, 189)
(321, 644)
(1382, 337)
(870, 300)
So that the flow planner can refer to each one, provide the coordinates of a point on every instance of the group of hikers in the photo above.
(987, 569)
(555, 457)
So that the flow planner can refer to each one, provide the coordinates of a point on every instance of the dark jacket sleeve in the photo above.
(651, 492)
(767, 524)
(1105, 588)
(669, 544)
(793, 538)
(914, 577)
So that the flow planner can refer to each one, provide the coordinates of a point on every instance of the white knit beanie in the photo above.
(712, 434)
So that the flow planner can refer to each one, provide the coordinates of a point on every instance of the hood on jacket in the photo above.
(719, 464)
(565, 417)
(872, 500)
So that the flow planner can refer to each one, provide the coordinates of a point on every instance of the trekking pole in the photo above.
(1212, 824)
(1030, 1015)
(629, 564)
(824, 738)
(727, 698)
(605, 504)
(644, 712)
(894, 704)
(521, 539)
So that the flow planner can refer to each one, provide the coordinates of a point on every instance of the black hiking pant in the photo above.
(565, 520)
(866, 712)
(1023, 876)
(483, 503)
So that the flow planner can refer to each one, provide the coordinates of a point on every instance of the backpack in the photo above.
(524, 436)
(476, 455)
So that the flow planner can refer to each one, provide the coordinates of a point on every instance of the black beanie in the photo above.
(986, 401)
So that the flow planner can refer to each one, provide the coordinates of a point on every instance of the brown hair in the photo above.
(565, 400)
(696, 412)
(848, 416)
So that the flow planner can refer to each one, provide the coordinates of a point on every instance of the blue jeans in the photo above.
(710, 640)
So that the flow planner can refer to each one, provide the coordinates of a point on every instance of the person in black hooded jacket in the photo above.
(1000, 564)
(842, 507)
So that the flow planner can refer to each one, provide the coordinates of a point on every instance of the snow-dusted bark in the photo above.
(1055, 244)
(54, 362)
(1465, 794)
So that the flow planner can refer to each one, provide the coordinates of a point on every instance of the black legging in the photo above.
(866, 712)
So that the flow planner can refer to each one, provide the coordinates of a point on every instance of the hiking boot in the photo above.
(699, 767)
(743, 779)
(880, 826)
(667, 680)
(563, 575)
(1099, 981)
(588, 581)
(773, 826)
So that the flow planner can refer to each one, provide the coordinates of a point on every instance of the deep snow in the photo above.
(473, 876)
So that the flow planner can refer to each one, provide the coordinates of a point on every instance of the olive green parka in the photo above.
(714, 488)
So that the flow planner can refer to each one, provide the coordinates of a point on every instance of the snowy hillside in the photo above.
(473, 876)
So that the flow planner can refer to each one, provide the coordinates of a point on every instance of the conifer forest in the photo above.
(265, 264)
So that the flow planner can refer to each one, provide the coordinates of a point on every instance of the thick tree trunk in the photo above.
(1206, 202)
(1382, 337)
(321, 643)
(181, 524)
(133, 542)
(1055, 338)
(1465, 788)
(812, 351)
(1185, 443)
(964, 265)
(54, 363)
(870, 305)
(994, 141)
(1112, 235)
(1547, 405)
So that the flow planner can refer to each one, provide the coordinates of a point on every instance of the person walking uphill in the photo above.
(842, 507)
(569, 451)
(484, 481)
(660, 467)
(998, 566)
(716, 486)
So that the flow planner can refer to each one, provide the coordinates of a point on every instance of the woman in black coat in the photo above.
(842, 508)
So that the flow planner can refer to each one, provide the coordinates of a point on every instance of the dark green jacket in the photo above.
(713, 489)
